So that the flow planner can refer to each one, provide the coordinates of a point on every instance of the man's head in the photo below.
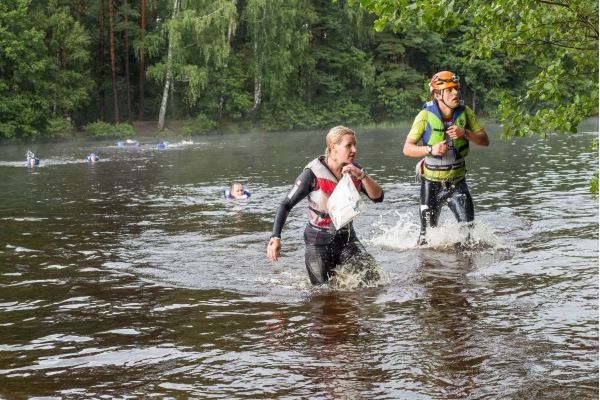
(237, 190)
(444, 87)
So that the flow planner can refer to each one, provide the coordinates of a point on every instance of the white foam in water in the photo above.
(404, 234)
(24, 219)
(56, 266)
(361, 272)
(476, 236)
(124, 331)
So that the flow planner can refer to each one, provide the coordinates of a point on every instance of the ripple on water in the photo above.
(91, 358)
(136, 278)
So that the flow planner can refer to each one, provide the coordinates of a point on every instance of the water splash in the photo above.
(449, 235)
(473, 236)
(402, 235)
(361, 272)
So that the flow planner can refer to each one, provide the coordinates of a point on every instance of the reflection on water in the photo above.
(133, 277)
(338, 343)
(449, 322)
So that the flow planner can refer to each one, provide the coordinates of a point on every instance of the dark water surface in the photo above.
(133, 278)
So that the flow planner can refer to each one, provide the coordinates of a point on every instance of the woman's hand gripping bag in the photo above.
(345, 203)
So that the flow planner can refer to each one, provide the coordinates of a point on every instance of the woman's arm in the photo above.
(304, 184)
(371, 187)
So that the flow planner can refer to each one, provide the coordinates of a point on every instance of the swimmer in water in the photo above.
(31, 160)
(93, 157)
(237, 192)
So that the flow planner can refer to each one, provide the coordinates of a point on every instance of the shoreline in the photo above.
(177, 129)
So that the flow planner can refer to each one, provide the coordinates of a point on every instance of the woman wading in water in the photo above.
(326, 248)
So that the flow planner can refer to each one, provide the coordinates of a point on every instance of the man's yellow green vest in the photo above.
(437, 168)
(435, 131)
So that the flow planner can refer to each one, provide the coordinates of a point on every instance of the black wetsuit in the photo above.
(435, 194)
(325, 247)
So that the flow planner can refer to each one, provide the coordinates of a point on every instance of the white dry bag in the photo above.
(345, 203)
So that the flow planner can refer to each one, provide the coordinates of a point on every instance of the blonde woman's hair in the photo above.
(334, 136)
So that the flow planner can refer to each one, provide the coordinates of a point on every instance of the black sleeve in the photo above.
(305, 183)
(377, 200)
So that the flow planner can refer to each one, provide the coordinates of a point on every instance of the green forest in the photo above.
(99, 67)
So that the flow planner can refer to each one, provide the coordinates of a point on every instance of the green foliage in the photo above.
(398, 85)
(553, 102)
(67, 75)
(562, 38)
(59, 128)
(104, 130)
(43, 67)
(278, 37)
(289, 114)
(200, 125)
(229, 86)
(294, 114)
(198, 40)
(23, 62)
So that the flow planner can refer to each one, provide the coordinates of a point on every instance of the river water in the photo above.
(134, 278)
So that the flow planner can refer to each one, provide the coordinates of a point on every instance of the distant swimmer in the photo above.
(445, 127)
(127, 143)
(32, 161)
(326, 247)
(92, 157)
(162, 145)
(237, 192)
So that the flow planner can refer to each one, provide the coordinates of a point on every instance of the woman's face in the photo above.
(345, 151)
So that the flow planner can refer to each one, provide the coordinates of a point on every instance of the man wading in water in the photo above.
(445, 127)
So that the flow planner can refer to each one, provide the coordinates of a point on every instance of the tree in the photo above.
(68, 49)
(128, 30)
(142, 69)
(341, 72)
(560, 35)
(44, 68)
(101, 51)
(23, 62)
(400, 60)
(277, 39)
(169, 67)
(113, 61)
(197, 38)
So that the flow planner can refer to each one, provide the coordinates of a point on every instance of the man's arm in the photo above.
(411, 146)
(480, 137)
(473, 133)
(412, 149)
